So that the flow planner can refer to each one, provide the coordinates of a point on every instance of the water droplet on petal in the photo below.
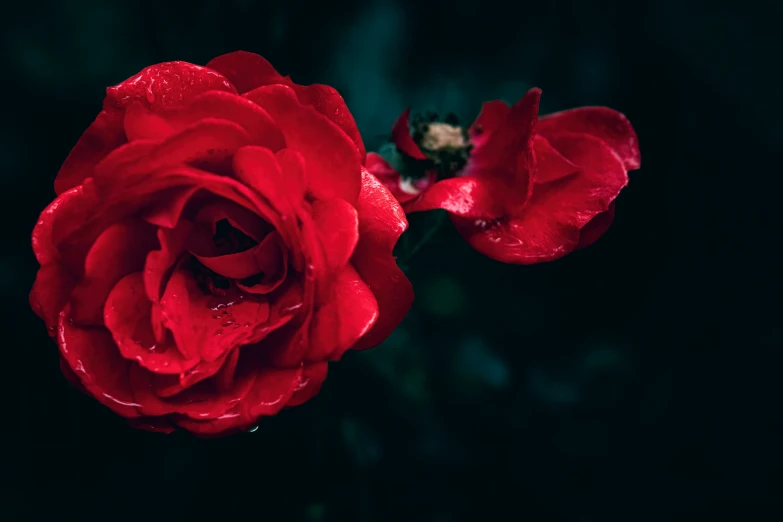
(253, 429)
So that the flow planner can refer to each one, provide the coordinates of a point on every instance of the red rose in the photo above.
(528, 190)
(215, 242)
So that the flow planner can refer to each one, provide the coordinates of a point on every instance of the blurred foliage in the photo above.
(628, 381)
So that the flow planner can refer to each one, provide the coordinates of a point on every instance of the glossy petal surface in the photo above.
(381, 222)
(608, 125)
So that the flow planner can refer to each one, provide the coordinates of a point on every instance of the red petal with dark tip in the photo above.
(401, 136)
(332, 161)
(608, 125)
(381, 222)
(93, 357)
(127, 315)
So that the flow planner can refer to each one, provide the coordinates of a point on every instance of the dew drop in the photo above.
(227, 323)
(291, 309)
(253, 429)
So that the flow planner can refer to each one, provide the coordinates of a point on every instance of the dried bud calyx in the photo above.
(445, 142)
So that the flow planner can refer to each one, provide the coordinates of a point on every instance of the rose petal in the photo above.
(280, 179)
(392, 180)
(264, 258)
(103, 135)
(206, 326)
(69, 208)
(549, 225)
(202, 401)
(224, 378)
(248, 71)
(71, 377)
(596, 227)
(245, 70)
(333, 162)
(239, 217)
(337, 227)
(473, 197)
(346, 315)
(229, 423)
(608, 125)
(492, 115)
(402, 139)
(50, 293)
(165, 85)
(496, 157)
(92, 355)
(166, 386)
(381, 222)
(284, 305)
(127, 315)
(328, 102)
(550, 164)
(272, 260)
(160, 263)
(143, 123)
(131, 195)
(120, 250)
(208, 144)
(313, 376)
(172, 204)
(271, 390)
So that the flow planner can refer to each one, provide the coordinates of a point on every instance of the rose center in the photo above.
(445, 142)
(229, 240)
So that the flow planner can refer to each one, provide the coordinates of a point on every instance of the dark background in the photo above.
(639, 379)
